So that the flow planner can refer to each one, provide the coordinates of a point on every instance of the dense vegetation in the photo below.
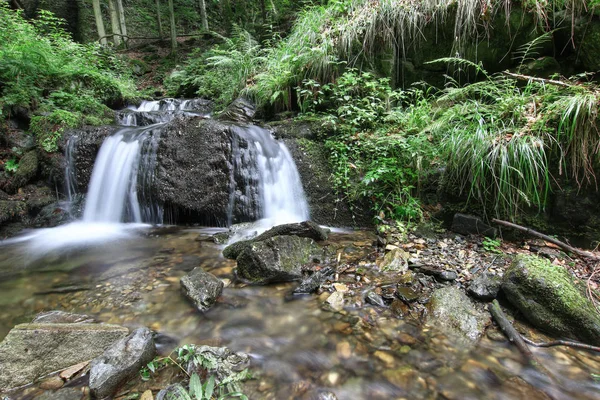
(395, 112)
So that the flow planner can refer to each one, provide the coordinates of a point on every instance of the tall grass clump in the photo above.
(43, 71)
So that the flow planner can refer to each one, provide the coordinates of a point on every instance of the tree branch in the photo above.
(579, 252)
(568, 343)
(536, 79)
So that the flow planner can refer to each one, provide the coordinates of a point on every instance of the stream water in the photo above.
(129, 274)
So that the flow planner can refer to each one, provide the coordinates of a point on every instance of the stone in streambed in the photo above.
(30, 351)
(278, 259)
(120, 362)
(485, 286)
(314, 282)
(61, 317)
(466, 224)
(201, 288)
(549, 298)
(307, 229)
(396, 261)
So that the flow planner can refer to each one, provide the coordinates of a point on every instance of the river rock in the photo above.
(32, 350)
(61, 317)
(201, 288)
(71, 393)
(549, 298)
(456, 315)
(306, 229)
(471, 225)
(312, 283)
(485, 286)
(120, 362)
(395, 260)
(278, 259)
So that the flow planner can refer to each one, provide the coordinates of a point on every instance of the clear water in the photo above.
(299, 345)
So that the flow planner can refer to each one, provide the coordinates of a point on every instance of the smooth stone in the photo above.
(485, 286)
(201, 288)
(375, 299)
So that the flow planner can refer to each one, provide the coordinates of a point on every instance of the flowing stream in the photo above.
(129, 274)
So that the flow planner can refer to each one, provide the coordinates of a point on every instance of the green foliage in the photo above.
(492, 245)
(48, 129)
(43, 70)
(204, 391)
(11, 165)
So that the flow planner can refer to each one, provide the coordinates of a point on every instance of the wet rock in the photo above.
(407, 294)
(396, 261)
(32, 350)
(440, 275)
(61, 317)
(312, 283)
(453, 312)
(278, 259)
(336, 301)
(549, 298)
(63, 394)
(471, 225)
(307, 229)
(201, 288)
(11, 210)
(375, 299)
(324, 395)
(485, 286)
(240, 110)
(52, 383)
(27, 170)
(121, 362)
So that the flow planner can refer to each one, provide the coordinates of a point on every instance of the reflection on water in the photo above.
(299, 345)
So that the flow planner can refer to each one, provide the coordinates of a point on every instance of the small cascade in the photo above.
(161, 111)
(265, 169)
(70, 177)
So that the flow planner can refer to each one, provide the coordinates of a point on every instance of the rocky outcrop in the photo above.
(307, 229)
(550, 299)
(27, 170)
(30, 351)
(201, 288)
(278, 259)
(240, 110)
(120, 362)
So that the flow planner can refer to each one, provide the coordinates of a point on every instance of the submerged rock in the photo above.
(307, 229)
(485, 286)
(278, 259)
(61, 317)
(121, 362)
(549, 298)
(314, 282)
(453, 312)
(201, 288)
(30, 351)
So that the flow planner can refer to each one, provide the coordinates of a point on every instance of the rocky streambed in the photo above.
(374, 317)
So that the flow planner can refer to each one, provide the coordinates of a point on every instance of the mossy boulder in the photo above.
(550, 299)
(26, 171)
(11, 210)
(278, 259)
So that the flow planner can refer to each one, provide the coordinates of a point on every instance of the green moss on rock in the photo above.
(550, 299)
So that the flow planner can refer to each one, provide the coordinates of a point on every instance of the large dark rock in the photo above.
(278, 259)
(121, 362)
(471, 225)
(11, 210)
(306, 229)
(240, 110)
(26, 171)
(549, 298)
(485, 286)
(31, 351)
(201, 288)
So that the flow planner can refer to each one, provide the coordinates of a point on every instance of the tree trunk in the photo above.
(263, 11)
(114, 22)
(99, 22)
(275, 12)
(160, 27)
(121, 12)
(173, 28)
(202, 5)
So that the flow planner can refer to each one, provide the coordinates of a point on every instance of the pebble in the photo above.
(147, 395)
(343, 350)
(384, 356)
(52, 383)
(336, 301)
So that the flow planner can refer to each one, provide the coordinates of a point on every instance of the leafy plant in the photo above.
(11, 165)
(492, 245)
(203, 391)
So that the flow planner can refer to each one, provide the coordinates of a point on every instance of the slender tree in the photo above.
(114, 22)
(173, 28)
(160, 27)
(202, 5)
(99, 22)
(121, 12)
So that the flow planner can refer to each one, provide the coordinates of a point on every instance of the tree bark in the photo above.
(99, 22)
(114, 22)
(159, 21)
(203, 16)
(121, 12)
(173, 28)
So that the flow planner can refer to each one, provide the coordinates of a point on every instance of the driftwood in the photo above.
(540, 80)
(511, 333)
(568, 343)
(564, 246)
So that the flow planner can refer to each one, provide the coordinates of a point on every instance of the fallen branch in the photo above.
(579, 252)
(540, 80)
(568, 343)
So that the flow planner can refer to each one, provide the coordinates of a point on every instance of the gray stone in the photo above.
(312, 283)
(120, 362)
(549, 298)
(278, 259)
(395, 261)
(485, 286)
(439, 274)
(201, 288)
(306, 229)
(454, 313)
(30, 351)
(240, 110)
(61, 317)
(375, 299)
(471, 225)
